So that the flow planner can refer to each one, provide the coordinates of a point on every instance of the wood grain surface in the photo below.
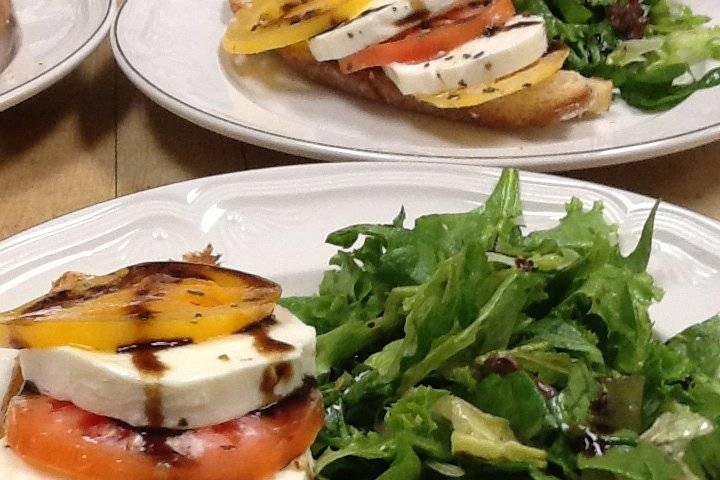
(93, 136)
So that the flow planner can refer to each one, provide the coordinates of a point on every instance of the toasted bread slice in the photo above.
(563, 96)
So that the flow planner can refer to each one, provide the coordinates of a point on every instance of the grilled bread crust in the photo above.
(563, 96)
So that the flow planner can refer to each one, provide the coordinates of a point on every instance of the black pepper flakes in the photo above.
(224, 357)
(478, 55)
(462, 83)
(488, 66)
(489, 90)
(197, 293)
(182, 423)
(527, 85)
(466, 56)
(350, 35)
(426, 65)
(449, 57)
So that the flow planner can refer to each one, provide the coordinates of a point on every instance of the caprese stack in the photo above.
(166, 370)
(446, 57)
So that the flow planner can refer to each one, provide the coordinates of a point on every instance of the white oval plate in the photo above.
(55, 36)
(170, 50)
(274, 222)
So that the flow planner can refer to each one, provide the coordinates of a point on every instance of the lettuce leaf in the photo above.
(409, 316)
(572, 406)
(674, 430)
(700, 344)
(702, 457)
(515, 398)
(355, 293)
(643, 462)
(645, 70)
(479, 434)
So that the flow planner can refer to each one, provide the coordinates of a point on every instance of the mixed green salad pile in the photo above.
(647, 47)
(464, 348)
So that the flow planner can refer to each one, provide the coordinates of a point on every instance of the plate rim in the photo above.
(53, 74)
(328, 152)
(322, 178)
(345, 167)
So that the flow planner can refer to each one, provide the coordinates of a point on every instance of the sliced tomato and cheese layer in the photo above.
(481, 93)
(434, 37)
(382, 20)
(519, 43)
(59, 438)
(14, 467)
(269, 24)
(189, 370)
(448, 53)
(201, 384)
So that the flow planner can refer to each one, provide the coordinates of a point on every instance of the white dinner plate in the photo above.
(273, 222)
(171, 50)
(55, 36)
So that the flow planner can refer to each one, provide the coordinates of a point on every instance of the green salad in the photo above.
(466, 348)
(646, 47)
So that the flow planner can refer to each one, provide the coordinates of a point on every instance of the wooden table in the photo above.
(93, 137)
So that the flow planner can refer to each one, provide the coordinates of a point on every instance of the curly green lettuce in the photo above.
(462, 346)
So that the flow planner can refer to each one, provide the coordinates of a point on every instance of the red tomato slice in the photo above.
(444, 33)
(59, 438)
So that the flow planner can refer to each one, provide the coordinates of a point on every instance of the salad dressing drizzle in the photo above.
(418, 13)
(272, 377)
(263, 342)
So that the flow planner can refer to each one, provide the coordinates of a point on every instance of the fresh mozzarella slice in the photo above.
(10, 380)
(8, 371)
(481, 93)
(519, 43)
(203, 384)
(381, 21)
(14, 468)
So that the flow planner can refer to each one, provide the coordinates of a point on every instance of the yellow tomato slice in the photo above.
(478, 94)
(270, 24)
(161, 301)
